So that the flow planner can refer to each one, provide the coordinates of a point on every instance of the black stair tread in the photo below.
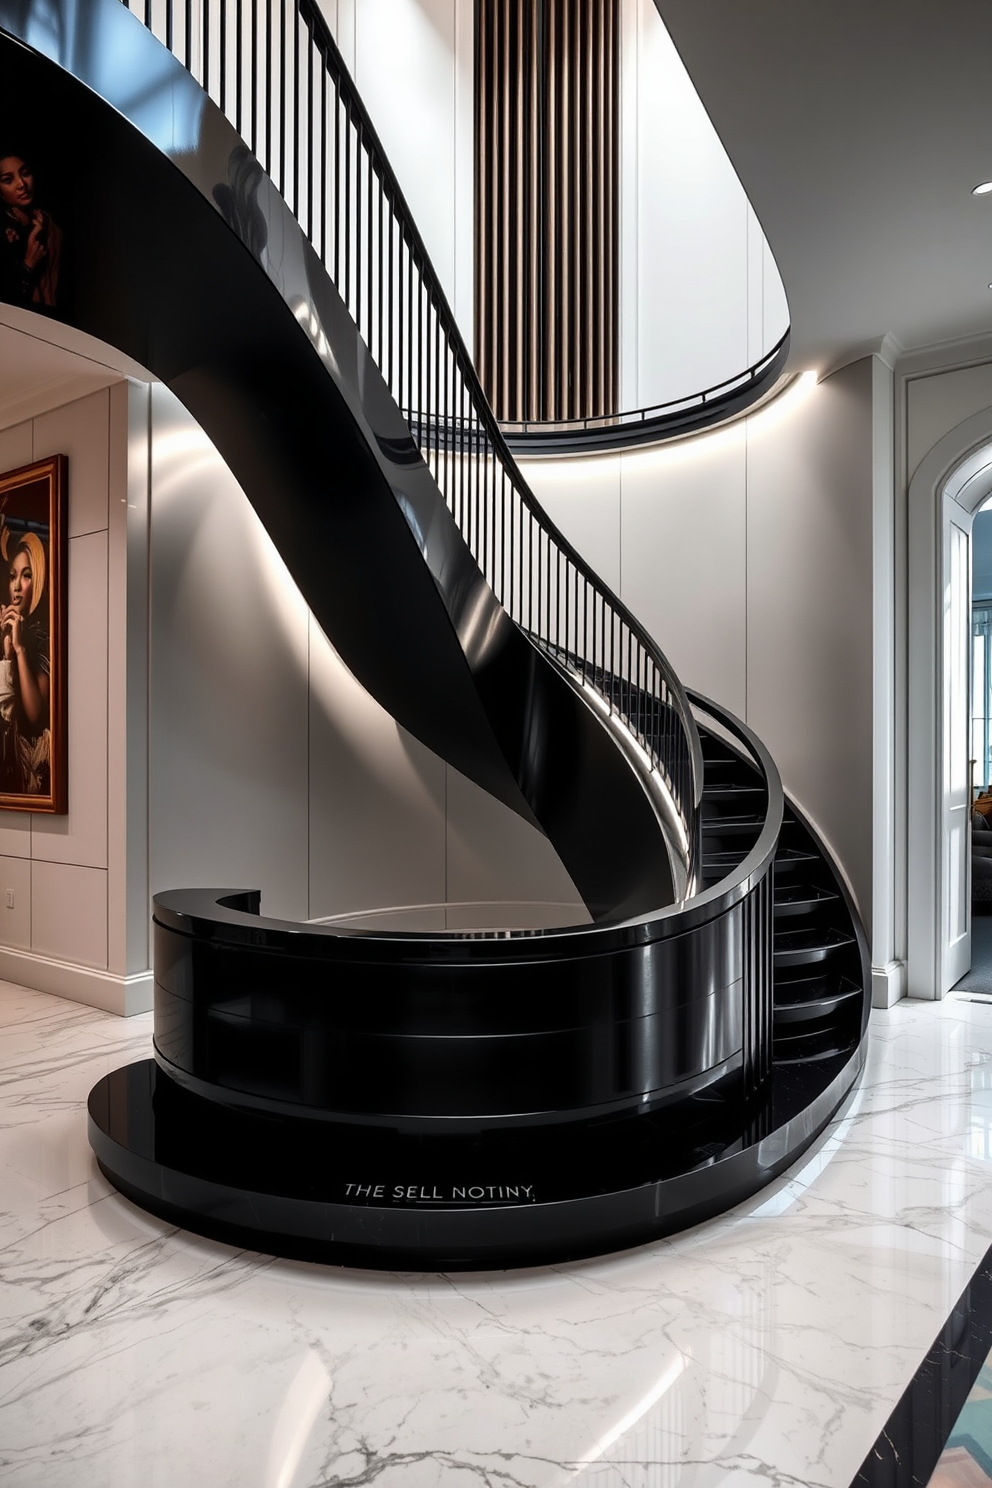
(723, 861)
(731, 791)
(801, 898)
(805, 983)
(807, 998)
(811, 1012)
(804, 947)
(815, 935)
(799, 1051)
(789, 893)
(716, 826)
(787, 859)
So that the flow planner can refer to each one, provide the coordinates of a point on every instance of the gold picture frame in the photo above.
(33, 584)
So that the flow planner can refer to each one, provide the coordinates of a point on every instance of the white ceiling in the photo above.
(44, 364)
(858, 128)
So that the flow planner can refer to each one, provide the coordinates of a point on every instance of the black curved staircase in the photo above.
(410, 1099)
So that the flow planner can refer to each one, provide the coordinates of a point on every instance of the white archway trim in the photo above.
(960, 467)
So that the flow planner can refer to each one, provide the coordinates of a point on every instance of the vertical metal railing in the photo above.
(273, 68)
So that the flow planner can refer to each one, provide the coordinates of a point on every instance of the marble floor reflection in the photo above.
(765, 1347)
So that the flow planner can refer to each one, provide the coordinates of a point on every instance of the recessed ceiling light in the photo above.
(983, 189)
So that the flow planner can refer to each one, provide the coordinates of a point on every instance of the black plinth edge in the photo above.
(909, 1445)
(391, 1201)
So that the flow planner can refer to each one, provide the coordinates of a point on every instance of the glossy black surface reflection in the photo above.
(382, 1198)
(535, 1027)
(908, 1448)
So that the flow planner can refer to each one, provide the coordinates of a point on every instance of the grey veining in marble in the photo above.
(763, 1348)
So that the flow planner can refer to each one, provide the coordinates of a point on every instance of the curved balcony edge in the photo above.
(677, 419)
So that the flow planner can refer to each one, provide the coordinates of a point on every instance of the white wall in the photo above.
(747, 553)
(701, 297)
(413, 63)
(270, 767)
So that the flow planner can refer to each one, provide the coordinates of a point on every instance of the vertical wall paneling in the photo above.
(78, 925)
(546, 205)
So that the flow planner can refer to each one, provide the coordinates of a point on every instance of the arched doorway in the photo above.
(951, 483)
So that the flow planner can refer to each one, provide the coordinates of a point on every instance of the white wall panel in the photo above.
(16, 446)
(376, 799)
(127, 682)
(495, 856)
(413, 63)
(80, 836)
(582, 498)
(69, 913)
(775, 306)
(228, 755)
(80, 430)
(684, 558)
(701, 298)
(755, 319)
(15, 919)
(809, 634)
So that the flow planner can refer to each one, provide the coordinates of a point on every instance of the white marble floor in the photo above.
(766, 1347)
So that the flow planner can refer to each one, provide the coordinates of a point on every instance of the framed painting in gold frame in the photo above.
(33, 574)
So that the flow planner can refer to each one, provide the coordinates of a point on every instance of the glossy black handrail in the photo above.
(675, 419)
(273, 67)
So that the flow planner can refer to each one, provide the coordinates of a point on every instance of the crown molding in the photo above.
(944, 356)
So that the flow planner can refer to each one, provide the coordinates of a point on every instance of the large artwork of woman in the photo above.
(30, 239)
(32, 647)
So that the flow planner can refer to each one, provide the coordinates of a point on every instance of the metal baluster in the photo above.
(409, 334)
(295, 104)
(346, 293)
(254, 77)
(336, 276)
(309, 135)
(358, 224)
(393, 310)
(238, 67)
(436, 316)
(370, 214)
(379, 199)
(323, 165)
(268, 53)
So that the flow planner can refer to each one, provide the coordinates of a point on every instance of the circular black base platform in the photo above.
(376, 1197)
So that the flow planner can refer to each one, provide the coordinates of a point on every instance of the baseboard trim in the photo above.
(124, 995)
(888, 984)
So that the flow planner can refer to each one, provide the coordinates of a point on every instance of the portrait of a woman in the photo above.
(30, 240)
(25, 673)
